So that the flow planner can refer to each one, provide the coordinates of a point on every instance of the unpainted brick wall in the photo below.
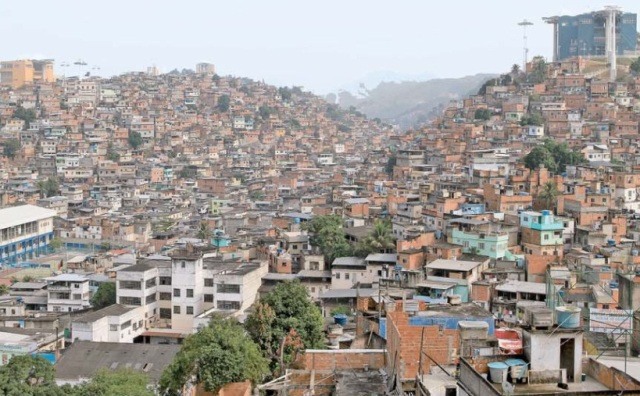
(403, 344)
(344, 360)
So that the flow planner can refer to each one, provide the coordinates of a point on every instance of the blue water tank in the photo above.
(611, 242)
(568, 317)
(340, 319)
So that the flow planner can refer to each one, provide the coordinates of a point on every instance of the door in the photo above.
(567, 356)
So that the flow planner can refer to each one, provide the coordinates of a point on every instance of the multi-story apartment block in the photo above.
(182, 290)
(19, 73)
(25, 231)
(542, 233)
(68, 292)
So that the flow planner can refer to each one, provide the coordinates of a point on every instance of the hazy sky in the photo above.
(321, 45)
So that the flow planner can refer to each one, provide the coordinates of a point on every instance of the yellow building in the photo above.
(19, 73)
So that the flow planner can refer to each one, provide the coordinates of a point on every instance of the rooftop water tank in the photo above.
(498, 372)
(568, 317)
(340, 319)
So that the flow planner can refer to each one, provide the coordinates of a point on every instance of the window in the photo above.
(208, 282)
(150, 283)
(130, 285)
(126, 324)
(176, 309)
(228, 305)
(481, 245)
(151, 298)
(113, 327)
(189, 310)
(165, 280)
(337, 275)
(235, 289)
(189, 293)
(183, 264)
(165, 313)
(546, 237)
(176, 292)
(208, 298)
(165, 296)
(346, 276)
(130, 300)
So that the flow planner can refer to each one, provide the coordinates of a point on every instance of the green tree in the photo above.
(532, 119)
(119, 382)
(48, 188)
(27, 278)
(215, 356)
(635, 66)
(204, 232)
(27, 375)
(285, 322)
(554, 156)
(265, 112)
(4, 289)
(135, 139)
(104, 296)
(482, 114)
(391, 163)
(215, 78)
(223, 103)
(11, 148)
(548, 195)
(55, 244)
(328, 235)
(540, 156)
(112, 155)
(285, 93)
(27, 115)
(538, 72)
(379, 240)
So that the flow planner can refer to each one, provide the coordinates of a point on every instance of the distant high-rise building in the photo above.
(19, 73)
(153, 71)
(206, 68)
(585, 34)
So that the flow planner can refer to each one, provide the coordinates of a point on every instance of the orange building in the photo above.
(19, 73)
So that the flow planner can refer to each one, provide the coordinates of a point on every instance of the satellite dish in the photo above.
(508, 388)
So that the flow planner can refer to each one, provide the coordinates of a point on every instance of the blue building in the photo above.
(25, 232)
(584, 34)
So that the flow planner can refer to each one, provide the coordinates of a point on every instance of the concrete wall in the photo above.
(344, 359)
(474, 382)
(543, 351)
(611, 377)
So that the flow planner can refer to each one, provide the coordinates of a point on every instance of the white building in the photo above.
(347, 272)
(596, 153)
(115, 323)
(533, 131)
(68, 292)
(25, 231)
(175, 290)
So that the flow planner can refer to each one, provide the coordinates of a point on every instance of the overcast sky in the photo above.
(320, 45)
